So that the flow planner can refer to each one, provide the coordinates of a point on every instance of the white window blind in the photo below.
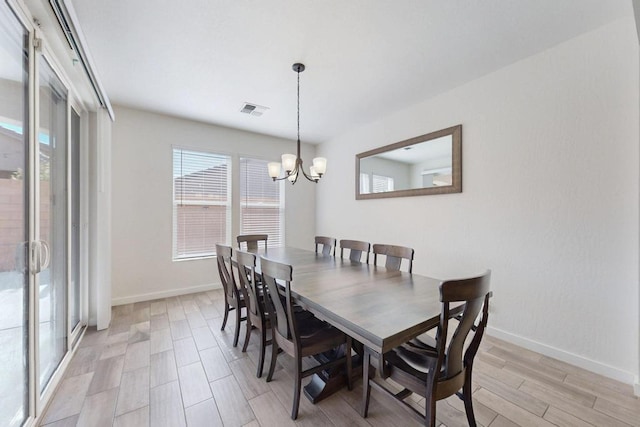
(382, 183)
(201, 203)
(364, 183)
(261, 202)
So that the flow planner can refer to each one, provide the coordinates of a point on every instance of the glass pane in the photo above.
(201, 202)
(382, 183)
(261, 202)
(14, 232)
(74, 282)
(52, 136)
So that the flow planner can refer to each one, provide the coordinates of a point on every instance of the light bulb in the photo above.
(288, 162)
(274, 169)
(320, 165)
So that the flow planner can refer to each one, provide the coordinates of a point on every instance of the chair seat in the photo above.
(410, 360)
(308, 324)
(424, 344)
(241, 301)
(317, 336)
(301, 313)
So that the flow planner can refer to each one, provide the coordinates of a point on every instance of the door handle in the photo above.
(34, 257)
(40, 256)
(44, 248)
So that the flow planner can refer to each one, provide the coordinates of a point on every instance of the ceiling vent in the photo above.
(253, 109)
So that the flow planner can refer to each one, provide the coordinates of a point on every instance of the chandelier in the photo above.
(292, 164)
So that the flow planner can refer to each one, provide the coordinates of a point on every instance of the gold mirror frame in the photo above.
(456, 164)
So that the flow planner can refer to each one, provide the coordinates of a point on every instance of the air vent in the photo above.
(253, 109)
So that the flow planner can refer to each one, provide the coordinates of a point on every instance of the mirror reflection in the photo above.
(428, 164)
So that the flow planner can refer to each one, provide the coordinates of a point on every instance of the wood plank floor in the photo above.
(166, 363)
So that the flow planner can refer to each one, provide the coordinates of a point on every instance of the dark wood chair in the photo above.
(356, 249)
(234, 299)
(328, 245)
(256, 308)
(298, 336)
(251, 241)
(438, 368)
(394, 256)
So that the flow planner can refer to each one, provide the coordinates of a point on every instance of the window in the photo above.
(261, 202)
(382, 183)
(201, 203)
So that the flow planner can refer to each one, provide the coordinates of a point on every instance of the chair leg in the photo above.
(263, 344)
(226, 315)
(430, 415)
(236, 334)
(366, 387)
(349, 368)
(274, 356)
(247, 336)
(297, 379)
(467, 389)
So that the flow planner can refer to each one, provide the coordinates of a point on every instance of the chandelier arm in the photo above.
(309, 177)
(286, 176)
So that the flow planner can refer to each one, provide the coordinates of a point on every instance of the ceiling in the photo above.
(437, 149)
(202, 59)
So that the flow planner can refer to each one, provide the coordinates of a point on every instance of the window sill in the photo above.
(196, 258)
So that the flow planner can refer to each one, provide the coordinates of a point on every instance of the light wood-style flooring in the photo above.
(166, 363)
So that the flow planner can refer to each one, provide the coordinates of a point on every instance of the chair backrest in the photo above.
(223, 255)
(277, 277)
(246, 265)
(394, 254)
(356, 249)
(474, 293)
(328, 245)
(252, 241)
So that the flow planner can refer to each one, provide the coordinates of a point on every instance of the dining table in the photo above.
(377, 307)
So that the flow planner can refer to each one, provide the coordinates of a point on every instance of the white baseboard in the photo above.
(164, 294)
(565, 356)
(636, 387)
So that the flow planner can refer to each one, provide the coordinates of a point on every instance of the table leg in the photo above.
(326, 383)
(366, 389)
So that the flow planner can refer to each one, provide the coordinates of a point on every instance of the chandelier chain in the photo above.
(298, 106)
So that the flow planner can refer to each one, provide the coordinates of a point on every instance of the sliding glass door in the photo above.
(41, 268)
(14, 219)
(52, 212)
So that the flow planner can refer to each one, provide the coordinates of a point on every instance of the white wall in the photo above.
(549, 202)
(399, 171)
(142, 266)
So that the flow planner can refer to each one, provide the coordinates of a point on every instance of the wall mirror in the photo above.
(426, 164)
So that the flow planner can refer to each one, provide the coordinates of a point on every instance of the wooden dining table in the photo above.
(380, 308)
